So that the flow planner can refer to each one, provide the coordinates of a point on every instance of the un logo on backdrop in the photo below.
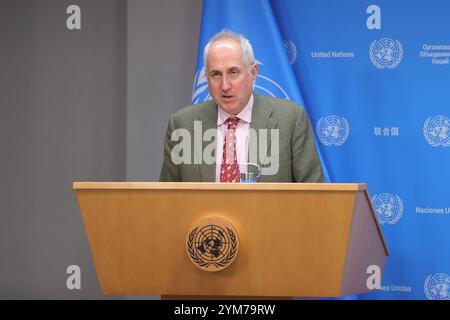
(436, 131)
(386, 53)
(437, 287)
(263, 84)
(332, 130)
(388, 207)
(291, 51)
(200, 92)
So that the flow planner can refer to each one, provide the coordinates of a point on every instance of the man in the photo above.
(247, 127)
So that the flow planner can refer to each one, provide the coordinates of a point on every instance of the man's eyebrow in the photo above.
(232, 68)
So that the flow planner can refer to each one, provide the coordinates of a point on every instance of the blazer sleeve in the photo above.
(306, 165)
(170, 172)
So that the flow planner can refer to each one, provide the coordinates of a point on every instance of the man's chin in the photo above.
(229, 108)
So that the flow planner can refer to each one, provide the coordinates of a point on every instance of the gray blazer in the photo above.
(298, 160)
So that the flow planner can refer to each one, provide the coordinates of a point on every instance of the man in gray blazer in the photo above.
(274, 133)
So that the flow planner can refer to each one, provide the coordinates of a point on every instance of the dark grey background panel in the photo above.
(162, 53)
(62, 106)
(65, 116)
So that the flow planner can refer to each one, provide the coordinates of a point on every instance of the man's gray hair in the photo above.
(246, 47)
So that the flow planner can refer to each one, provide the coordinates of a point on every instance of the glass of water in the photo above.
(249, 172)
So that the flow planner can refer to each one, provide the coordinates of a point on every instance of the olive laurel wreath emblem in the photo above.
(222, 260)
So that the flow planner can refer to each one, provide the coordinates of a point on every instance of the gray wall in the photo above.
(64, 118)
(162, 51)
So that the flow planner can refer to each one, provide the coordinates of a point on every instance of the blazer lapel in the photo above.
(261, 119)
(208, 118)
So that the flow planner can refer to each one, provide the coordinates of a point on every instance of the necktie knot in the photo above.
(232, 122)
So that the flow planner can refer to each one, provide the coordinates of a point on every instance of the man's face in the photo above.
(230, 82)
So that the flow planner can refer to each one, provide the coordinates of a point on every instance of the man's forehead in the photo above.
(225, 47)
(225, 53)
(226, 43)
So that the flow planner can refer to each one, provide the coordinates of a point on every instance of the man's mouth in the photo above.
(226, 97)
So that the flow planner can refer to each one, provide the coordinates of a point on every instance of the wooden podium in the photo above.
(302, 240)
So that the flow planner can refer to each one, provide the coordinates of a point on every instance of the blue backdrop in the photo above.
(374, 78)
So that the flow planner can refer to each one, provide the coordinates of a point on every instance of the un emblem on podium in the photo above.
(212, 244)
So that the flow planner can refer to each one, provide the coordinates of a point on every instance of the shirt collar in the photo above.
(245, 114)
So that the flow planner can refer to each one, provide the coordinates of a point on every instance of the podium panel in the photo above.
(312, 240)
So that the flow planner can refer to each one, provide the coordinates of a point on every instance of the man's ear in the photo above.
(254, 71)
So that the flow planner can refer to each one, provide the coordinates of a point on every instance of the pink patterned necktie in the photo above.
(229, 170)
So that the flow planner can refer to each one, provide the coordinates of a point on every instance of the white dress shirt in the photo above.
(242, 134)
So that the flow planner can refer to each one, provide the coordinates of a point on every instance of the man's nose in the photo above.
(225, 85)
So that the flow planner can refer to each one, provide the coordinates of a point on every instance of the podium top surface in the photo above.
(221, 186)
